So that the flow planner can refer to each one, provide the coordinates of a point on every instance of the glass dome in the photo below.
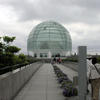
(49, 37)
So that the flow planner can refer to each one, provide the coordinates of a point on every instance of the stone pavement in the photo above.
(71, 65)
(71, 73)
(42, 86)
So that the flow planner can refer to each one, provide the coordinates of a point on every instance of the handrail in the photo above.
(11, 68)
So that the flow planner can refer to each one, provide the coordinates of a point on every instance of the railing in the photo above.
(11, 68)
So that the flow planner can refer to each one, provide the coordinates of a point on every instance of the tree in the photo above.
(8, 39)
(12, 49)
(7, 51)
(22, 58)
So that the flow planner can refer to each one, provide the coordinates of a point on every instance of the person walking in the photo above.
(54, 60)
(59, 60)
(93, 76)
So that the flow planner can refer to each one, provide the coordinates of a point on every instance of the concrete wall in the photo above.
(11, 85)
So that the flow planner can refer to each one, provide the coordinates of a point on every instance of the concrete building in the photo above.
(49, 39)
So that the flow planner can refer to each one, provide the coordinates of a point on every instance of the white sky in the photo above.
(80, 17)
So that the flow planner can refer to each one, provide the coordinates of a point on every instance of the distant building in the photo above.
(49, 39)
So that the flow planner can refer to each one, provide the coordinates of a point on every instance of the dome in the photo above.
(49, 37)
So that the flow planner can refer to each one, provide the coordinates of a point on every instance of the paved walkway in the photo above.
(71, 65)
(42, 86)
(71, 73)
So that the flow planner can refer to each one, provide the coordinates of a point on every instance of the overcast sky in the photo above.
(80, 17)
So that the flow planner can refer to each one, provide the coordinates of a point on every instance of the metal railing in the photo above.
(6, 69)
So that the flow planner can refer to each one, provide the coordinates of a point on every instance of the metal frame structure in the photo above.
(49, 38)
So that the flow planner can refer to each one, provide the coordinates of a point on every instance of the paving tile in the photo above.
(42, 86)
(71, 73)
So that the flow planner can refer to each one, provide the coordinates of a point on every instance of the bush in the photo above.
(98, 59)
